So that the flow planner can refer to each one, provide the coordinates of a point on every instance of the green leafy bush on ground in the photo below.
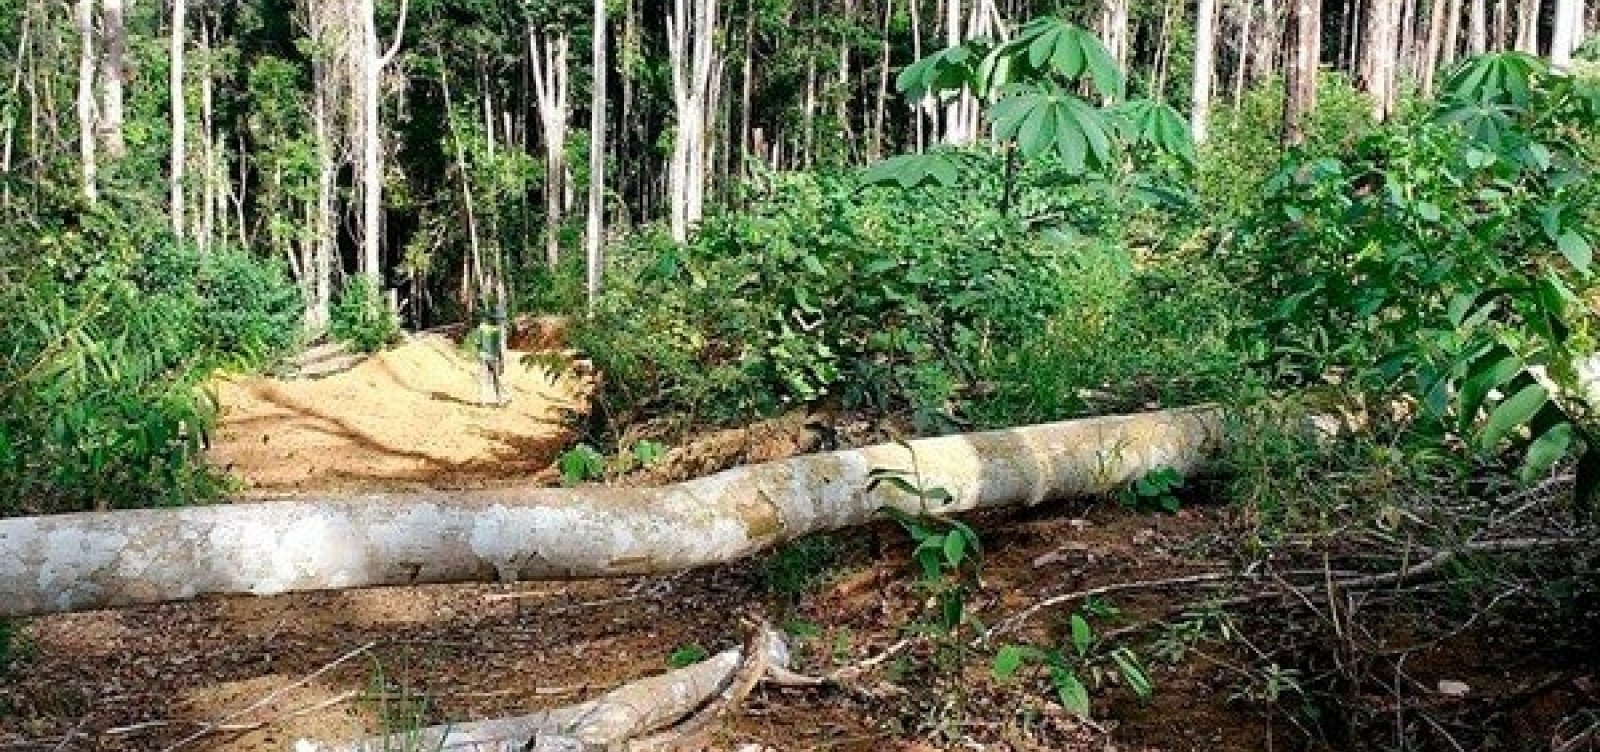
(108, 331)
(361, 318)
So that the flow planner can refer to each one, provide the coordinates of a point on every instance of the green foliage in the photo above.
(1155, 490)
(1454, 252)
(581, 463)
(1033, 82)
(402, 711)
(686, 655)
(819, 291)
(361, 318)
(799, 565)
(947, 552)
(109, 330)
(1084, 661)
(1129, 335)
(1245, 144)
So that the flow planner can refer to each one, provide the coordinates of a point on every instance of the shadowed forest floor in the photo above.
(255, 674)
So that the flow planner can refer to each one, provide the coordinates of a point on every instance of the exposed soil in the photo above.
(407, 417)
(255, 674)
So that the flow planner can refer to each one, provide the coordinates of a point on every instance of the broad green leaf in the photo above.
(1074, 696)
(1489, 372)
(955, 548)
(1082, 635)
(1514, 412)
(1576, 248)
(1546, 451)
(1007, 661)
(1132, 672)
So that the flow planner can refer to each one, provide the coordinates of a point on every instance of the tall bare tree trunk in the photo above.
(24, 55)
(1300, 86)
(881, 100)
(1528, 26)
(1567, 31)
(210, 196)
(1114, 30)
(1502, 25)
(113, 74)
(1450, 49)
(691, 46)
(594, 236)
(369, 95)
(922, 109)
(1241, 70)
(1430, 57)
(747, 89)
(1477, 28)
(180, 118)
(551, 85)
(83, 19)
(1378, 52)
(1205, 40)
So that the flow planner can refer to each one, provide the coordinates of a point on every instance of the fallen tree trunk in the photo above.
(96, 560)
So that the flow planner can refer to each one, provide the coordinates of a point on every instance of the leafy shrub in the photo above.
(1128, 334)
(1454, 252)
(361, 318)
(819, 291)
(248, 308)
(1244, 147)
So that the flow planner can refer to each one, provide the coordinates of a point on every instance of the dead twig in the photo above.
(211, 726)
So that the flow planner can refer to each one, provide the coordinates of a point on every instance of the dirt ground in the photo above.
(407, 417)
(256, 674)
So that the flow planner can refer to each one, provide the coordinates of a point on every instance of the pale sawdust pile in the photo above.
(407, 417)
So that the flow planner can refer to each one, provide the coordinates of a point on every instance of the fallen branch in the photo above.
(653, 711)
(84, 561)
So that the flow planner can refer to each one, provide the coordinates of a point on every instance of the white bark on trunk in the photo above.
(1567, 31)
(113, 72)
(74, 562)
(1528, 26)
(369, 97)
(1205, 40)
(1114, 30)
(1450, 50)
(180, 124)
(691, 47)
(83, 20)
(665, 703)
(1300, 85)
(551, 88)
(1435, 43)
(1379, 48)
(1477, 28)
(594, 234)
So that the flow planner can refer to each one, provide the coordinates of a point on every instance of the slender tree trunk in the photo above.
(210, 196)
(113, 73)
(1158, 85)
(691, 45)
(1528, 26)
(180, 119)
(551, 85)
(1300, 89)
(1349, 39)
(1477, 28)
(24, 55)
(1567, 31)
(921, 109)
(1114, 30)
(881, 101)
(1502, 25)
(1430, 56)
(1450, 49)
(83, 19)
(1205, 40)
(594, 236)
(372, 61)
(843, 95)
(1378, 55)
(1240, 72)
(747, 88)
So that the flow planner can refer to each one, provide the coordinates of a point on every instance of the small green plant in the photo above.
(1155, 490)
(401, 710)
(947, 552)
(581, 463)
(361, 319)
(1085, 657)
(799, 565)
(686, 655)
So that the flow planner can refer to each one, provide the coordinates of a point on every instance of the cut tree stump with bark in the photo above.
(76, 562)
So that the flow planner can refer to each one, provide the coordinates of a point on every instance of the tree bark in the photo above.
(1205, 40)
(74, 562)
(1435, 43)
(1378, 52)
(1477, 28)
(1567, 31)
(1528, 26)
(691, 46)
(1300, 86)
(551, 85)
(1450, 49)
(113, 73)
(594, 236)
(83, 20)
(180, 124)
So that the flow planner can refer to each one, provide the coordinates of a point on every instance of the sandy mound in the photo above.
(407, 417)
